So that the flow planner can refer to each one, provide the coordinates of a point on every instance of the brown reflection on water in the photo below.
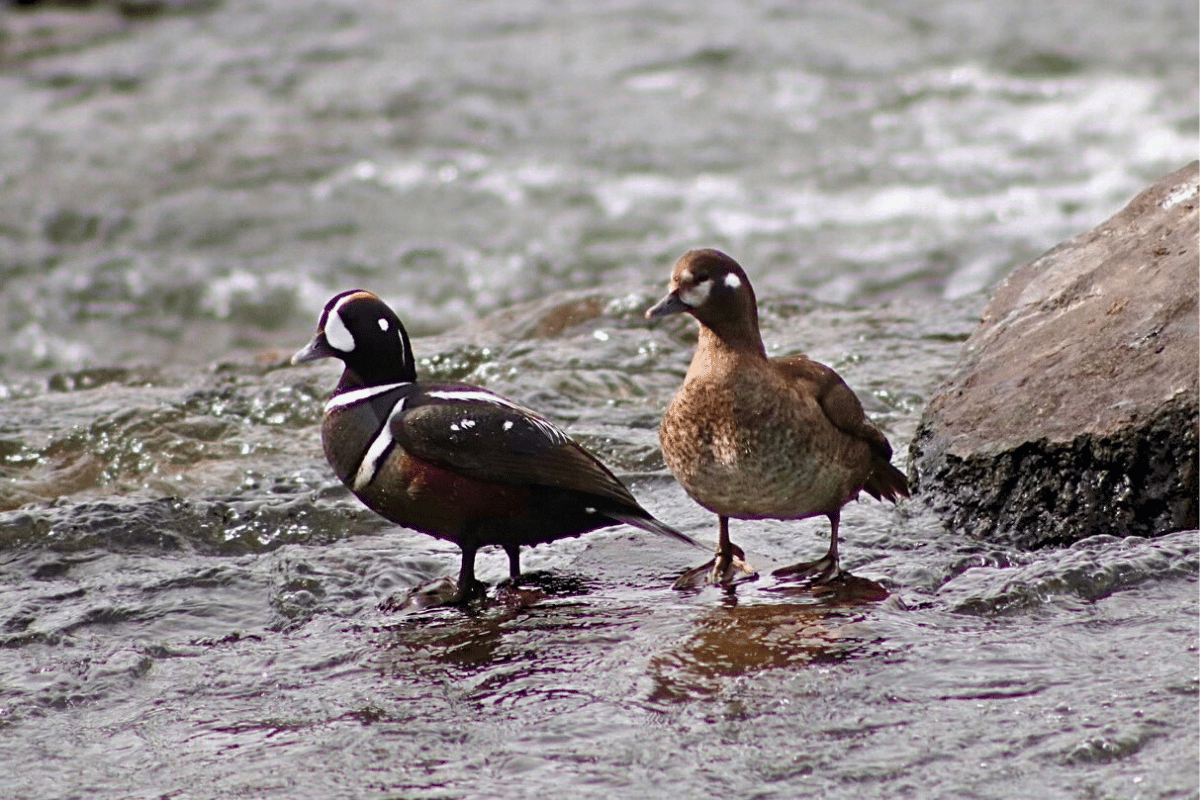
(807, 625)
(470, 637)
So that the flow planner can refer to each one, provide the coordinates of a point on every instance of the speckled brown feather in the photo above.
(751, 437)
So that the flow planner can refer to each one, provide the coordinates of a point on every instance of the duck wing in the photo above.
(844, 410)
(485, 436)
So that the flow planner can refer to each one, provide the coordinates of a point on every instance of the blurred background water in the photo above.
(189, 601)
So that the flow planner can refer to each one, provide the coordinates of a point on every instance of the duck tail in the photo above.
(886, 482)
(642, 519)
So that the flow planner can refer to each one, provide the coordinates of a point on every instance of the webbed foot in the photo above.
(725, 569)
(444, 591)
(823, 570)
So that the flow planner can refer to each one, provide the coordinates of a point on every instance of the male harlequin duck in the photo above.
(450, 460)
(753, 437)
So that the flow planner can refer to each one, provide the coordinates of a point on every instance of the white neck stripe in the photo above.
(356, 396)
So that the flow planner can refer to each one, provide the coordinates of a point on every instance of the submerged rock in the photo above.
(1073, 409)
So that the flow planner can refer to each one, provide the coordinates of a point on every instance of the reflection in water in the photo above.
(469, 637)
(814, 624)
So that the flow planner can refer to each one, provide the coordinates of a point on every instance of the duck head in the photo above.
(714, 289)
(366, 335)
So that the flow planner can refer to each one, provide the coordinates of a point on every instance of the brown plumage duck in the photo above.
(752, 437)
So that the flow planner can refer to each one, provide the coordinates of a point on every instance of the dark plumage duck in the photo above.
(454, 461)
(752, 437)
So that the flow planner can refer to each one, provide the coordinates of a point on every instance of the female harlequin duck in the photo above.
(753, 437)
(454, 461)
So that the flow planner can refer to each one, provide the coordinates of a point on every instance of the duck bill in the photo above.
(315, 350)
(671, 304)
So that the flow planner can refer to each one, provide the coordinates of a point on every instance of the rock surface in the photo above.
(1073, 409)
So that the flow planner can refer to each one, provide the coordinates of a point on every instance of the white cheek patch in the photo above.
(694, 296)
(733, 281)
(336, 332)
(338, 335)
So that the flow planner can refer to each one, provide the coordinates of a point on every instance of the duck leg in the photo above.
(444, 591)
(468, 586)
(728, 566)
(514, 560)
(825, 569)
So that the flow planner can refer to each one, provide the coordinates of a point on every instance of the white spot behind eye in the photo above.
(383, 324)
(694, 296)
(732, 280)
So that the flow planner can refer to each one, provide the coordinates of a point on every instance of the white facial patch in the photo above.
(733, 281)
(694, 296)
(336, 332)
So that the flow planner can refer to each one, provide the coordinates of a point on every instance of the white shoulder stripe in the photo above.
(475, 396)
(356, 396)
(369, 466)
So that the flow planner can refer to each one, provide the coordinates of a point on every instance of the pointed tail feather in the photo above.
(648, 523)
(886, 482)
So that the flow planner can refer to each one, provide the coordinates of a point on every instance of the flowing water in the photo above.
(190, 605)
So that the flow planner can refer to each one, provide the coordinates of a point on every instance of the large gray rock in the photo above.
(1073, 410)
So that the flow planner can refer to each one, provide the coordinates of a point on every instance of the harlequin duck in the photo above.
(454, 461)
(753, 437)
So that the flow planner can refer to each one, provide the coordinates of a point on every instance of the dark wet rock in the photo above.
(1073, 409)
